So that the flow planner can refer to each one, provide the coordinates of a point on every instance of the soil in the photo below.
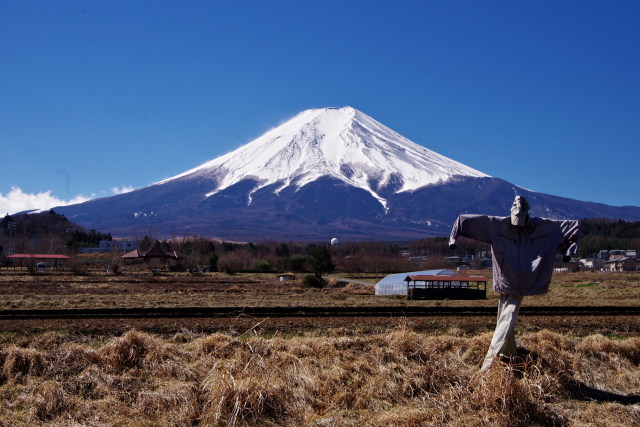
(585, 325)
(55, 290)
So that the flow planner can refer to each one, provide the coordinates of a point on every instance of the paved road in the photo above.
(343, 279)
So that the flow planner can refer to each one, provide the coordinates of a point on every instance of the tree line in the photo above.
(606, 234)
(49, 232)
(46, 232)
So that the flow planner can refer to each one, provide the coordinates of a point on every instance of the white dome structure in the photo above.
(394, 284)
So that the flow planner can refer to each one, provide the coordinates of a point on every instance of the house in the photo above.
(621, 263)
(612, 260)
(155, 253)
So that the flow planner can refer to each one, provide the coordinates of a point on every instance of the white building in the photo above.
(112, 246)
(118, 245)
(592, 263)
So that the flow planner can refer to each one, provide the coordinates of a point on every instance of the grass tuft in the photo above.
(21, 363)
(128, 351)
(50, 400)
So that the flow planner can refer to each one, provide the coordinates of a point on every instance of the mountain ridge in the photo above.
(331, 172)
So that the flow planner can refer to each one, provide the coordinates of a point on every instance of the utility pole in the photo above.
(11, 227)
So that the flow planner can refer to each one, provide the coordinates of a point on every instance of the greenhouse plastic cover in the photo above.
(394, 284)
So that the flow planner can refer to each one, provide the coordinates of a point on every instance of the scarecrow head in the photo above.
(519, 211)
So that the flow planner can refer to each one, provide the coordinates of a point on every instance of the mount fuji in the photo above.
(329, 172)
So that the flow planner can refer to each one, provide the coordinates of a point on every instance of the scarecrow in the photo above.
(523, 251)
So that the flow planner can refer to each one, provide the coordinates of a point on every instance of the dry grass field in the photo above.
(139, 288)
(397, 378)
(327, 372)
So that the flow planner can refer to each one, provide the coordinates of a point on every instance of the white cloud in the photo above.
(17, 200)
(122, 190)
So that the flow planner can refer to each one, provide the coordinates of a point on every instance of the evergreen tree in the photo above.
(321, 261)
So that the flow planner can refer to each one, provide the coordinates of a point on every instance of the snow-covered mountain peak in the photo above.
(341, 143)
(324, 173)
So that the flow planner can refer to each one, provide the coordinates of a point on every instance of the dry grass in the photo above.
(141, 289)
(319, 377)
(337, 378)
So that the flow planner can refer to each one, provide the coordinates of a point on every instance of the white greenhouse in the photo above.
(394, 284)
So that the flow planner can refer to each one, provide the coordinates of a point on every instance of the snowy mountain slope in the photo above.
(342, 143)
(330, 172)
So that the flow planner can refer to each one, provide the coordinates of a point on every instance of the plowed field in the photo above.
(140, 289)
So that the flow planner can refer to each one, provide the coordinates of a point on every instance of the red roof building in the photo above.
(37, 260)
(38, 256)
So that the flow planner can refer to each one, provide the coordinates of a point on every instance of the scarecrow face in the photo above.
(519, 211)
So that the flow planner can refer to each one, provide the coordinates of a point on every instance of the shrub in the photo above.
(313, 281)
(231, 263)
(78, 267)
(213, 262)
(262, 265)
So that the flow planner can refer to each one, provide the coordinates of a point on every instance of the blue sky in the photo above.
(98, 97)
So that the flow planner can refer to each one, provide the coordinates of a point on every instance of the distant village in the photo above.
(49, 240)
(128, 252)
(614, 260)
(605, 260)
